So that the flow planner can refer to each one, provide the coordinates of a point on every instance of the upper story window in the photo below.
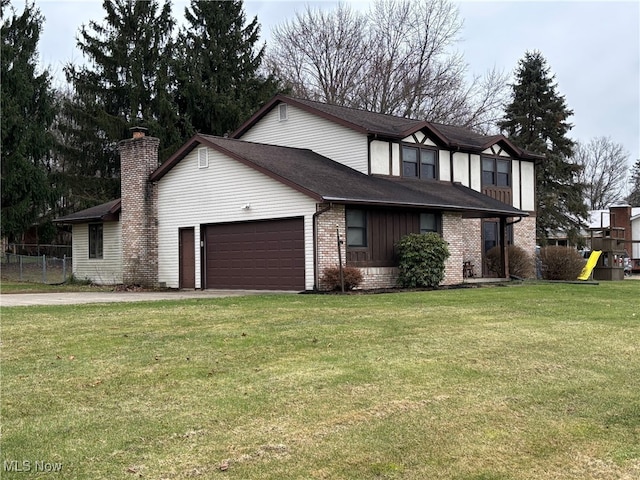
(95, 240)
(496, 172)
(356, 228)
(419, 162)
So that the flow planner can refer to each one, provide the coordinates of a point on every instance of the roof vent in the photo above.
(203, 157)
(282, 110)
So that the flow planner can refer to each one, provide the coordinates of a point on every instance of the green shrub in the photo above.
(521, 264)
(560, 263)
(421, 260)
(352, 278)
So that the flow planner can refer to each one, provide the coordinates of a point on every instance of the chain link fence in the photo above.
(35, 268)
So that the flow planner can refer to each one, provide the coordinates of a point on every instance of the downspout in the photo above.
(316, 274)
(515, 221)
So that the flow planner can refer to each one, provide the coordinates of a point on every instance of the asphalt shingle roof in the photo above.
(372, 123)
(328, 181)
(104, 211)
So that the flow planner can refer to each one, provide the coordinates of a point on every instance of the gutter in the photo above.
(452, 208)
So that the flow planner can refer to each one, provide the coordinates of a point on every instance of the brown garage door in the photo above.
(263, 255)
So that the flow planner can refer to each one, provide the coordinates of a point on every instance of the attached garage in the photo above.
(258, 255)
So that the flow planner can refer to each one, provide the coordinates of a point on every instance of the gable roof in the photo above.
(109, 211)
(389, 126)
(328, 181)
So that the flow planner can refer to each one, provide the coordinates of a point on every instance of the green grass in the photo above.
(523, 382)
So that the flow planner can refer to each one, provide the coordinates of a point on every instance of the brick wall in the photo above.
(455, 234)
(472, 228)
(379, 277)
(524, 234)
(620, 217)
(463, 237)
(139, 218)
(327, 241)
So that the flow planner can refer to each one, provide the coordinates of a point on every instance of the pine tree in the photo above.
(634, 197)
(124, 82)
(536, 120)
(217, 63)
(27, 114)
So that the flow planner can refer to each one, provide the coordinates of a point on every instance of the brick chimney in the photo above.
(139, 216)
(620, 217)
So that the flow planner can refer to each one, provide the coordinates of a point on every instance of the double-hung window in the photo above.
(356, 228)
(419, 162)
(429, 222)
(95, 240)
(496, 172)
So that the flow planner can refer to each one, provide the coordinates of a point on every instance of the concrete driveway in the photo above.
(72, 298)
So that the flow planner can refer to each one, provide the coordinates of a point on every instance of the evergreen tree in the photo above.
(634, 197)
(217, 81)
(536, 120)
(27, 114)
(124, 82)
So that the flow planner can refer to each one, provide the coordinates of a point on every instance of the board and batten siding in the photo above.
(101, 271)
(305, 130)
(189, 196)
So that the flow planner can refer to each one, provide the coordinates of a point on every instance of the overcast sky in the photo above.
(592, 48)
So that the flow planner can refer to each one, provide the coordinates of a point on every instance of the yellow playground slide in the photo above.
(591, 263)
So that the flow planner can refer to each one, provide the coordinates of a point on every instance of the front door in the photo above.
(490, 239)
(187, 254)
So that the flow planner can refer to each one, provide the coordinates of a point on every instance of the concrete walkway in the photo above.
(73, 298)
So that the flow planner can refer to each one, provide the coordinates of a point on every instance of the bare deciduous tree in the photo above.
(634, 191)
(605, 166)
(397, 59)
(319, 54)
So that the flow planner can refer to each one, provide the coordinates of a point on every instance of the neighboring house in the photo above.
(621, 222)
(263, 209)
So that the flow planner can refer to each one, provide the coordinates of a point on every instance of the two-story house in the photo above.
(264, 209)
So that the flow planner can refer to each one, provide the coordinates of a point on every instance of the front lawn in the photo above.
(523, 382)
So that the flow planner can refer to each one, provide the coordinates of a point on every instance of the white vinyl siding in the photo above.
(528, 182)
(461, 168)
(476, 173)
(515, 182)
(395, 159)
(188, 197)
(635, 235)
(445, 165)
(102, 271)
(305, 130)
(380, 160)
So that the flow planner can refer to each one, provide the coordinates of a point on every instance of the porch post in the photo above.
(504, 258)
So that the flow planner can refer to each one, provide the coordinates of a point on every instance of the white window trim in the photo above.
(283, 112)
(203, 157)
